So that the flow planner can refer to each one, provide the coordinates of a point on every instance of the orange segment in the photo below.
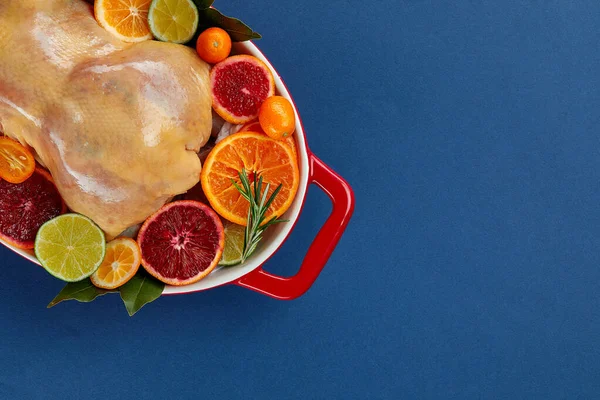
(121, 263)
(254, 126)
(16, 161)
(126, 19)
(272, 159)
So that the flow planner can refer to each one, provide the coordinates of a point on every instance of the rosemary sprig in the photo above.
(259, 204)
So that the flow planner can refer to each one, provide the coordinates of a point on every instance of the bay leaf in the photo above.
(238, 30)
(139, 291)
(83, 291)
(203, 4)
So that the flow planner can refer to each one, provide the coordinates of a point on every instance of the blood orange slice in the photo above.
(182, 243)
(25, 207)
(239, 86)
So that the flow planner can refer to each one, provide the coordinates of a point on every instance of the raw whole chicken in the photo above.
(118, 125)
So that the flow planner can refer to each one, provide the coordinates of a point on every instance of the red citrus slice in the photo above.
(239, 86)
(182, 243)
(25, 207)
(252, 126)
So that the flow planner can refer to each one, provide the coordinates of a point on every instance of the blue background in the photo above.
(469, 131)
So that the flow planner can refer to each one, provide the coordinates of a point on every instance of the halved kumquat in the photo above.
(121, 263)
(17, 163)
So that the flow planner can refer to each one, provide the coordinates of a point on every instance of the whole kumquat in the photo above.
(213, 45)
(277, 117)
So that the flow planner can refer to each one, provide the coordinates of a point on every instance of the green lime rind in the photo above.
(70, 247)
(173, 21)
(234, 244)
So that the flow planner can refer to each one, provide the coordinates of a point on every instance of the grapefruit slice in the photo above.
(252, 126)
(25, 207)
(182, 242)
(239, 86)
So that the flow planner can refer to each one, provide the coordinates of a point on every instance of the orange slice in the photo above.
(126, 19)
(257, 154)
(121, 263)
(254, 126)
(16, 161)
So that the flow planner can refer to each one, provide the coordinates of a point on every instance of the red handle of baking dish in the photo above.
(342, 197)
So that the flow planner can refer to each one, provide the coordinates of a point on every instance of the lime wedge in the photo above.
(70, 247)
(174, 21)
(234, 244)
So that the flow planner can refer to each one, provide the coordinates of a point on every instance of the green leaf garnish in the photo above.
(202, 4)
(83, 291)
(238, 31)
(259, 205)
(139, 291)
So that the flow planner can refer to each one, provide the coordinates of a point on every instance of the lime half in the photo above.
(70, 247)
(234, 244)
(174, 21)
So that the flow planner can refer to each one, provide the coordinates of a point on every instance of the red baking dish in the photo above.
(251, 275)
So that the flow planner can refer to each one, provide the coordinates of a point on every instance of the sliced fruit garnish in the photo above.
(182, 243)
(239, 86)
(16, 161)
(126, 19)
(70, 247)
(121, 263)
(277, 117)
(26, 206)
(213, 45)
(257, 153)
(254, 126)
(173, 21)
(234, 244)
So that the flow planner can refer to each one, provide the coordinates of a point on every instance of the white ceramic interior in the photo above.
(275, 236)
